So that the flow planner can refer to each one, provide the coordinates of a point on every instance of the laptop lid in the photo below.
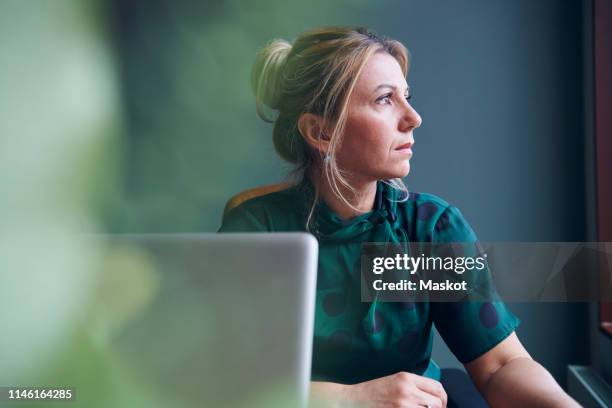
(227, 319)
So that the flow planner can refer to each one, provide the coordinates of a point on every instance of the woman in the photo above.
(345, 121)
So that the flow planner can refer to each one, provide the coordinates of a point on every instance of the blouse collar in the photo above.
(328, 226)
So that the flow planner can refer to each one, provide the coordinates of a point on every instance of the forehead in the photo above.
(381, 68)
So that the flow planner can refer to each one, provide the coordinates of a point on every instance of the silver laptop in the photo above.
(226, 320)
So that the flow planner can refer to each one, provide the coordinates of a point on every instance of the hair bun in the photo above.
(266, 75)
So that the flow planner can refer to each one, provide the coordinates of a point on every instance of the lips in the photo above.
(404, 146)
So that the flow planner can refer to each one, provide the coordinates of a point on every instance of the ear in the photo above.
(313, 131)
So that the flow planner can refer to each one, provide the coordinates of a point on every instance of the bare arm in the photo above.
(507, 376)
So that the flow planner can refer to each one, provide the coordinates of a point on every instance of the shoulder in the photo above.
(268, 212)
(434, 218)
(423, 207)
(428, 201)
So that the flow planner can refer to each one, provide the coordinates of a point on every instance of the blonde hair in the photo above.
(317, 74)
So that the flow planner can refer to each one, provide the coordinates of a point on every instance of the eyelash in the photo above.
(408, 98)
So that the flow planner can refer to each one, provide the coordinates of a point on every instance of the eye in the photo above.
(386, 98)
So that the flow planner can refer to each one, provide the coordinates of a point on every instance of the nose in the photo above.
(410, 118)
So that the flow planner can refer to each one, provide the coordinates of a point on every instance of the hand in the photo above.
(398, 390)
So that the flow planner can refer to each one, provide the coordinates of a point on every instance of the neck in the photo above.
(362, 198)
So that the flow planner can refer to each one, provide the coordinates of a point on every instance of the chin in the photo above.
(402, 171)
(395, 174)
(406, 172)
(397, 171)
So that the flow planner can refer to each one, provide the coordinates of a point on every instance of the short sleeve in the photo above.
(242, 219)
(469, 327)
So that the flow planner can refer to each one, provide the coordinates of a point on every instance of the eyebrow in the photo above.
(388, 86)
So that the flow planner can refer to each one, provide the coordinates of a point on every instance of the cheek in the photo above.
(366, 156)
(367, 123)
(367, 140)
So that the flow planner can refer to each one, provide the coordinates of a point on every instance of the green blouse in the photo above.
(356, 341)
